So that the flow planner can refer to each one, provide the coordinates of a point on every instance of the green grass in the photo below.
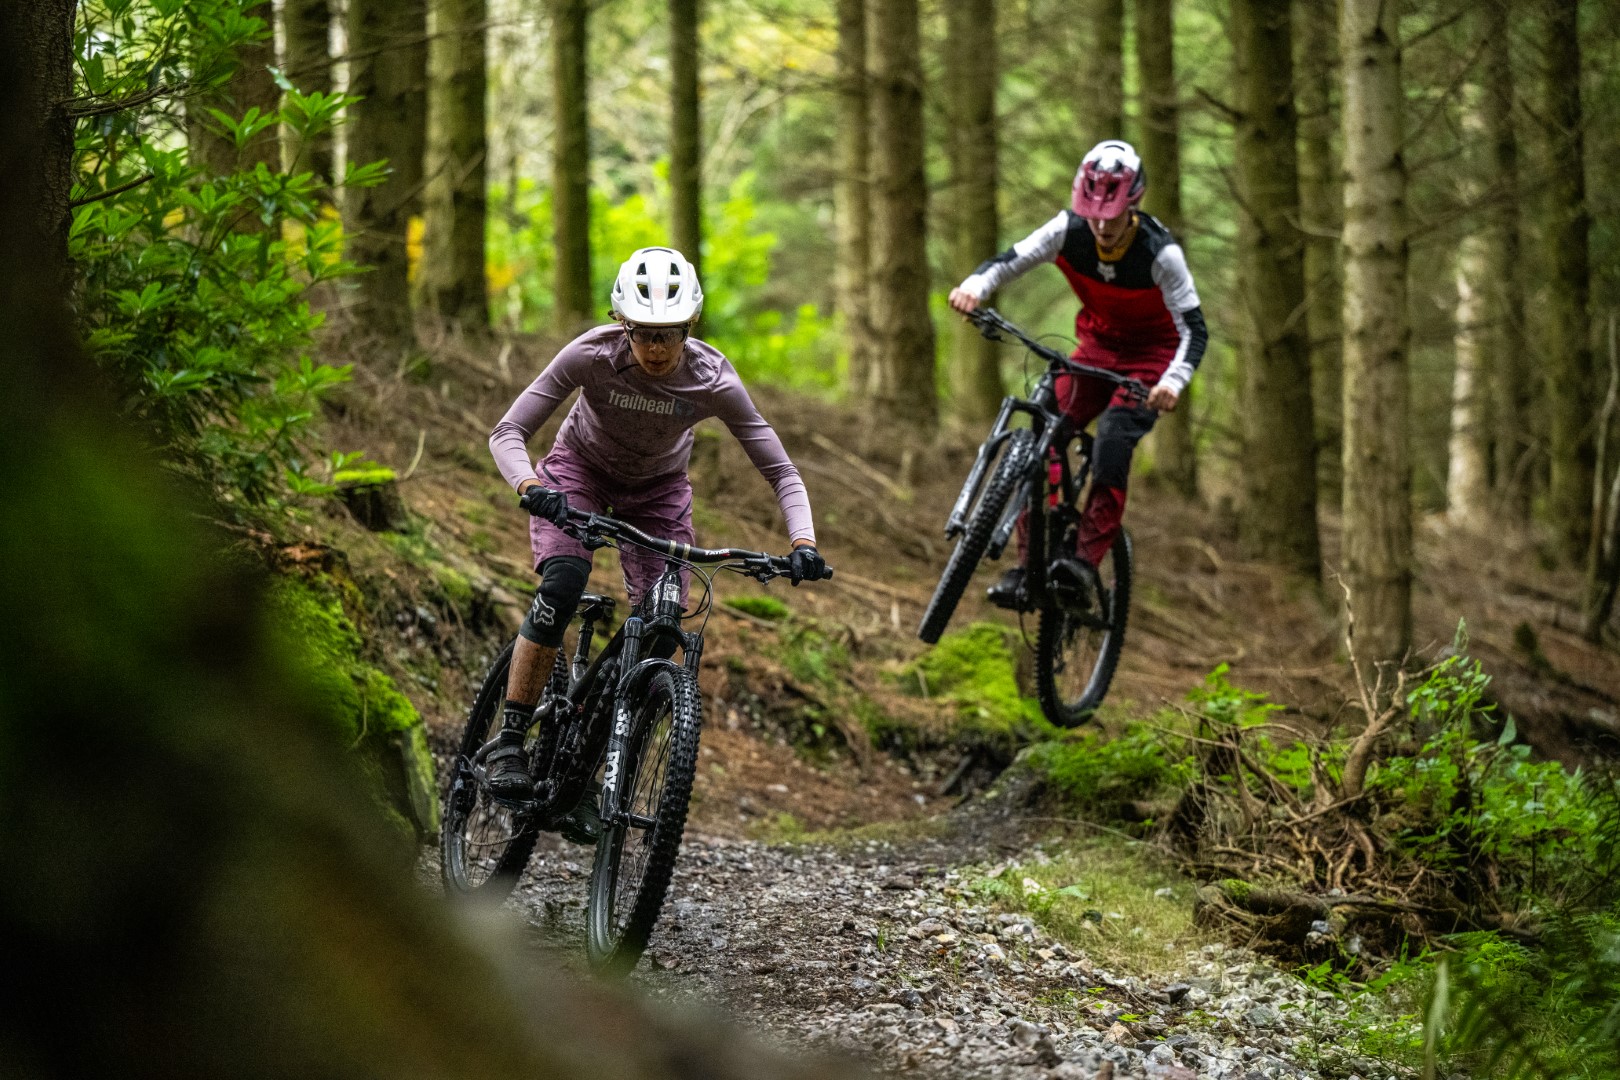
(1099, 895)
(768, 608)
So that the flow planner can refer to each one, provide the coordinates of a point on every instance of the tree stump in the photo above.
(372, 496)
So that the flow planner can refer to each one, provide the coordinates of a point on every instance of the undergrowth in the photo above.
(1461, 896)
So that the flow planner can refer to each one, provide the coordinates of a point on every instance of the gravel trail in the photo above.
(877, 949)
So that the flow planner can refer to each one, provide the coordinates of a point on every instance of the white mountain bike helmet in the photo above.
(656, 286)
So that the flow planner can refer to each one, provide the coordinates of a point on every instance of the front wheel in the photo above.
(982, 522)
(635, 854)
(1076, 652)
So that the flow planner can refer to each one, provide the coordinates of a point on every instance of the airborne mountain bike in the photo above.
(1032, 470)
(625, 755)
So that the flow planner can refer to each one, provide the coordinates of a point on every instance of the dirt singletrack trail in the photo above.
(882, 950)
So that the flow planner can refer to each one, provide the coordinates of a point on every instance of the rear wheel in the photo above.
(1076, 652)
(484, 845)
(635, 855)
(975, 540)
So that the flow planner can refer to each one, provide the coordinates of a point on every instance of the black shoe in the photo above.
(508, 763)
(1075, 584)
(583, 824)
(1007, 592)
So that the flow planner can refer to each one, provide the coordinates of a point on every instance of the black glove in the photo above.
(806, 564)
(543, 502)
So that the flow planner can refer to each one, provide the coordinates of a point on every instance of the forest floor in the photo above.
(843, 886)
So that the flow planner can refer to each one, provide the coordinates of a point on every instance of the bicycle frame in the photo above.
(1061, 484)
(635, 652)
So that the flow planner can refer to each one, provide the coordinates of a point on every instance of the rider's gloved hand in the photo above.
(806, 564)
(543, 502)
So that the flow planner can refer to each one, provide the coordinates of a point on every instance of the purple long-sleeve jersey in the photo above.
(636, 430)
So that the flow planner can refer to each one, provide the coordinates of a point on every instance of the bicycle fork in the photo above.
(618, 748)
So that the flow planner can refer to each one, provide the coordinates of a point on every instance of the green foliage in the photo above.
(1515, 1013)
(760, 606)
(1093, 771)
(812, 657)
(1230, 706)
(791, 345)
(972, 670)
(1530, 832)
(193, 285)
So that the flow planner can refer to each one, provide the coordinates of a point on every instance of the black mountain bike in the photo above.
(1031, 469)
(629, 721)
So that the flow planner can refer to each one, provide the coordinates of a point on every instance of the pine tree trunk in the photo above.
(686, 135)
(1510, 373)
(388, 73)
(453, 257)
(307, 36)
(852, 195)
(904, 331)
(971, 84)
(1467, 486)
(1603, 568)
(571, 165)
(1570, 377)
(1377, 464)
(38, 151)
(1467, 472)
(1103, 110)
(1279, 447)
(1160, 146)
(1321, 207)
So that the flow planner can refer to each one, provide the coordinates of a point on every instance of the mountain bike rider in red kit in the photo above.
(1139, 316)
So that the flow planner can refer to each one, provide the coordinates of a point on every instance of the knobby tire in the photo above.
(1010, 471)
(455, 850)
(1055, 641)
(661, 763)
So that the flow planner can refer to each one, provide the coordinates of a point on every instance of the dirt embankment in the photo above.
(783, 748)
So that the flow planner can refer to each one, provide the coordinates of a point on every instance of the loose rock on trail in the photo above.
(881, 950)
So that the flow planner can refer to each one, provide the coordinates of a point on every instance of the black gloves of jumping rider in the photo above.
(542, 502)
(806, 564)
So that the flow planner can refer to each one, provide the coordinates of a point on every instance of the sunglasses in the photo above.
(657, 335)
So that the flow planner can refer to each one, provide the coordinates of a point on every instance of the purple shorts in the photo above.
(662, 509)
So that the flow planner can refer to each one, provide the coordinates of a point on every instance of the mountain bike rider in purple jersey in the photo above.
(623, 448)
(1140, 316)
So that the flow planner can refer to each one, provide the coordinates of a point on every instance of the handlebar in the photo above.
(591, 529)
(997, 327)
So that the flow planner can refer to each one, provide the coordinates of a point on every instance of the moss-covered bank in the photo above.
(377, 723)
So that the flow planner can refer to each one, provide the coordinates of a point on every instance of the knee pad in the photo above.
(1118, 432)
(562, 583)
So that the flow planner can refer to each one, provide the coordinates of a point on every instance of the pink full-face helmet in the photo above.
(1110, 181)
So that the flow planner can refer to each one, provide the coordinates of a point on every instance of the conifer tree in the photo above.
(571, 165)
(971, 82)
(455, 218)
(388, 74)
(686, 135)
(903, 328)
(1160, 145)
(1377, 461)
(1279, 445)
(852, 195)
